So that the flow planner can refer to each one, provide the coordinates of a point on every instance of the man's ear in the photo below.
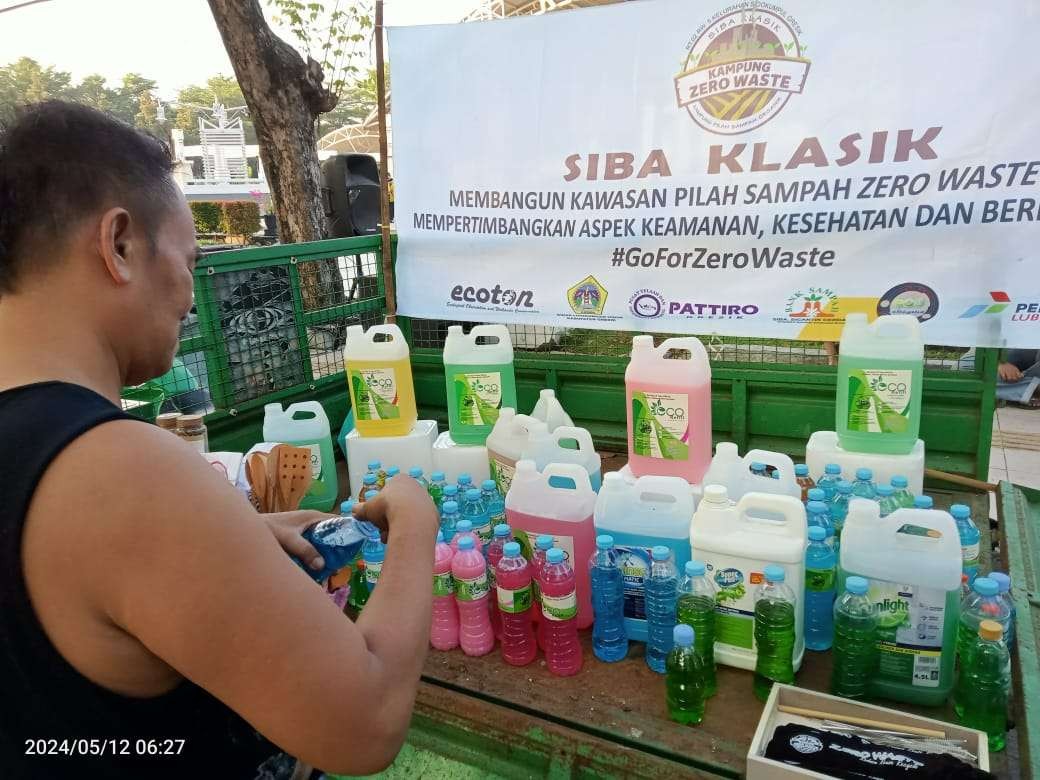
(117, 245)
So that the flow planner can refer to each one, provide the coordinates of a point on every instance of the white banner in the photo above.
(755, 169)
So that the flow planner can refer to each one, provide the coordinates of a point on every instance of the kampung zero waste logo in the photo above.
(588, 297)
(741, 69)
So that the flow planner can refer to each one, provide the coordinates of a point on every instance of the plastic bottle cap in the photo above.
(375, 552)
(393, 471)
(843, 486)
(370, 494)
(991, 629)
(604, 541)
(660, 553)
(857, 585)
(451, 490)
(985, 586)
(440, 537)
(801, 470)
(450, 508)
(756, 466)
(488, 484)
(347, 507)
(502, 530)
(899, 482)
(1003, 581)
(817, 507)
(864, 474)
(817, 533)
(511, 550)
(415, 472)
(374, 465)
(774, 573)
(465, 479)
(715, 494)
(832, 468)
(923, 502)
(465, 543)
(960, 511)
(464, 526)
(683, 635)
(885, 490)
(544, 542)
(816, 494)
(695, 568)
(555, 555)
(437, 476)
(369, 479)
(472, 494)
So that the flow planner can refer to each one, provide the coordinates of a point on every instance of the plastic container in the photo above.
(969, 536)
(415, 449)
(983, 603)
(478, 379)
(559, 613)
(514, 596)
(775, 615)
(1004, 585)
(855, 641)
(662, 595)
(805, 482)
(338, 540)
(783, 483)
(912, 559)
(864, 486)
(469, 569)
(551, 412)
(559, 502)
(879, 384)
(505, 446)
(543, 543)
(306, 425)
(828, 481)
(982, 692)
(564, 445)
(494, 501)
(450, 518)
(373, 553)
(454, 460)
(436, 486)
(823, 448)
(669, 408)
(887, 501)
(685, 684)
(379, 376)
(696, 608)
(654, 511)
(726, 468)
(821, 576)
(609, 639)
(444, 621)
(737, 542)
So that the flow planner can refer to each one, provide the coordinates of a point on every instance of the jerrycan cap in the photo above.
(555, 555)
(511, 550)
(715, 494)
(816, 494)
(991, 629)
(817, 533)
(775, 573)
(985, 586)
(544, 542)
(604, 542)
(857, 585)
(695, 568)
(683, 635)
(465, 543)
(450, 508)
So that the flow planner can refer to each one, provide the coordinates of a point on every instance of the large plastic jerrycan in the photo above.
(558, 501)
(737, 542)
(379, 376)
(653, 511)
(668, 393)
(305, 424)
(479, 380)
(566, 444)
(784, 483)
(505, 445)
(912, 559)
(879, 384)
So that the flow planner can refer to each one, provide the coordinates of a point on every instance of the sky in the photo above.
(174, 42)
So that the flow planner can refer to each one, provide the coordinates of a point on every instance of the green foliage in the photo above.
(208, 216)
(241, 218)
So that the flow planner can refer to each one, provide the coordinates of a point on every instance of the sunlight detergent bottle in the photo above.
(558, 502)
(879, 384)
(668, 393)
(505, 445)
(912, 560)
(737, 542)
(379, 377)
(306, 425)
(654, 511)
(479, 380)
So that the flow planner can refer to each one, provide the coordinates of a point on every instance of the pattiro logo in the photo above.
(493, 297)
(650, 304)
(741, 68)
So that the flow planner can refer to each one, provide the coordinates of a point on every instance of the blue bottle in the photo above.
(609, 641)
(886, 498)
(496, 505)
(903, 495)
(1004, 584)
(839, 508)
(815, 494)
(338, 540)
(451, 493)
(829, 480)
(475, 510)
(449, 519)
(392, 472)
(818, 515)
(662, 592)
(372, 553)
(923, 502)
(416, 473)
(864, 486)
(465, 483)
(820, 578)
(969, 534)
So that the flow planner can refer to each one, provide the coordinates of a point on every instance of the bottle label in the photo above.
(443, 584)
(560, 607)
(820, 580)
(503, 474)
(634, 563)
(375, 393)
(736, 579)
(660, 425)
(514, 601)
(879, 400)
(911, 620)
(970, 554)
(315, 467)
(527, 539)
(372, 572)
(471, 589)
(478, 397)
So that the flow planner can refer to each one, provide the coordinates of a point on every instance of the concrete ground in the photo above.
(1015, 455)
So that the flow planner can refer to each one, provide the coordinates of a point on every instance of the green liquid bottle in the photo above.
(774, 633)
(696, 608)
(855, 641)
(684, 678)
(358, 587)
(981, 694)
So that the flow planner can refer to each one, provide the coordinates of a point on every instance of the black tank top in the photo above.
(46, 706)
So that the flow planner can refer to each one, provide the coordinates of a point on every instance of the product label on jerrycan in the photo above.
(375, 393)
(736, 580)
(503, 474)
(911, 620)
(879, 400)
(478, 397)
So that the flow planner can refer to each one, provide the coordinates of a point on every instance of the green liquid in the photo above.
(774, 636)
(699, 613)
(471, 416)
(358, 588)
(855, 655)
(899, 432)
(684, 686)
(981, 695)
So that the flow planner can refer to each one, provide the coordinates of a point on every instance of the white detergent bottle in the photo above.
(305, 424)
(505, 445)
(784, 484)
(551, 412)
(737, 542)
(564, 445)
(912, 559)
(654, 511)
(725, 468)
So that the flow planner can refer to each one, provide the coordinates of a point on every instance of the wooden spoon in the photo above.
(294, 475)
(256, 473)
(272, 479)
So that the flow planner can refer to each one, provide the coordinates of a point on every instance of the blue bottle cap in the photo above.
(555, 555)
(544, 542)
(465, 543)
(502, 531)
(369, 479)
(857, 585)
(375, 552)
(682, 635)
(756, 466)
(774, 573)
(393, 471)
(843, 486)
(415, 472)
(473, 494)
(899, 482)
(370, 494)
(465, 479)
(817, 508)
(1003, 581)
(660, 553)
(923, 502)
(604, 542)
(816, 494)
(864, 474)
(450, 508)
(695, 568)
(885, 490)
(451, 490)
(440, 537)
(437, 476)
(464, 526)
(368, 530)
(374, 465)
(817, 533)
(511, 550)
(832, 468)
(985, 586)
(960, 511)
(801, 470)
(347, 507)
(488, 484)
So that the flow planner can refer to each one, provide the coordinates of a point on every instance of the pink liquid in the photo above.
(444, 624)
(470, 571)
(581, 536)
(537, 564)
(518, 642)
(494, 555)
(455, 540)
(698, 433)
(562, 648)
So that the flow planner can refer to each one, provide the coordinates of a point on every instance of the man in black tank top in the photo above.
(151, 623)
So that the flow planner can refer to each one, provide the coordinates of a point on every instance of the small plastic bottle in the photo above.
(839, 508)
(923, 502)
(819, 515)
(696, 608)
(829, 479)
(338, 540)
(450, 493)
(450, 519)
(475, 510)
(373, 552)
(820, 575)
(436, 487)
(903, 495)
(864, 486)
(774, 632)
(805, 482)
(369, 485)
(609, 641)
(980, 696)
(392, 472)
(469, 569)
(444, 622)
(815, 494)
(886, 498)
(662, 592)
(358, 596)
(965, 586)
(855, 641)
(560, 615)
(416, 473)
(758, 469)
(463, 528)
(542, 545)
(685, 684)
(502, 535)
(1004, 588)
(465, 483)
(984, 603)
(496, 505)
(969, 534)
(375, 468)
(513, 600)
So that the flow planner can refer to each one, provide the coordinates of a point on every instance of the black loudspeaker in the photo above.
(351, 185)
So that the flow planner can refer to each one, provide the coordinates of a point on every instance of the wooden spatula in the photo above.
(294, 476)
(256, 473)
(273, 502)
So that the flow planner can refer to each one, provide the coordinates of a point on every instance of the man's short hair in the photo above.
(61, 162)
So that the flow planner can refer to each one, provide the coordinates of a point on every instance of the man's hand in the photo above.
(288, 528)
(403, 500)
(1009, 372)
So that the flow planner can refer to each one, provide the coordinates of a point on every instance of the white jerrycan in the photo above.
(786, 485)
(725, 469)
(505, 445)
(550, 411)
(544, 448)
(737, 542)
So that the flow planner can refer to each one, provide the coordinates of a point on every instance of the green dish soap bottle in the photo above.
(479, 380)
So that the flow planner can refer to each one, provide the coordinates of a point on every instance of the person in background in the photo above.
(1018, 376)
(151, 621)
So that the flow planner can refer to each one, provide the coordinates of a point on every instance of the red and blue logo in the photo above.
(1001, 300)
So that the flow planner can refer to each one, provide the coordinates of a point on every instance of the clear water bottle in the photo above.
(609, 641)
(969, 534)
(903, 494)
(469, 569)
(1004, 588)
(818, 515)
(886, 498)
(685, 684)
(496, 505)
(774, 632)
(696, 608)
(449, 520)
(450, 493)
(436, 487)
(855, 641)
(923, 502)
(820, 576)
(864, 486)
(829, 480)
(338, 540)
(475, 510)
(465, 483)
(805, 482)
(984, 603)
(839, 508)
(416, 473)
(662, 588)
(981, 694)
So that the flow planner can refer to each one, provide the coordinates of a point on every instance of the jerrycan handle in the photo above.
(525, 421)
(662, 490)
(389, 329)
(567, 471)
(789, 507)
(580, 436)
(897, 326)
(500, 332)
(781, 462)
(690, 344)
(313, 410)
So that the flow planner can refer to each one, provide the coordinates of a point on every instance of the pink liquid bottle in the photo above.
(462, 528)
(471, 594)
(668, 390)
(560, 615)
(542, 545)
(444, 624)
(502, 536)
(514, 599)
